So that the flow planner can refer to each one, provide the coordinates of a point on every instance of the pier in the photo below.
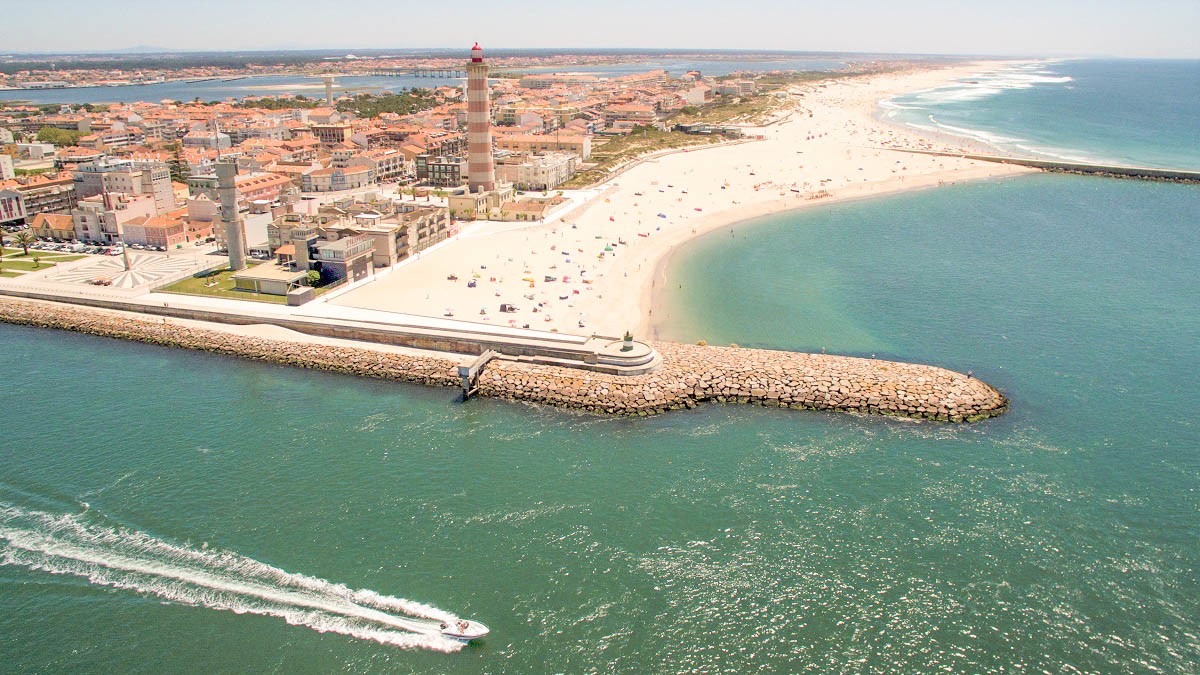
(470, 374)
(1109, 170)
(677, 376)
(596, 353)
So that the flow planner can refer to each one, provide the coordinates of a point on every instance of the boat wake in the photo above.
(132, 560)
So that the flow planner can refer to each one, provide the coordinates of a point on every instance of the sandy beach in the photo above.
(595, 270)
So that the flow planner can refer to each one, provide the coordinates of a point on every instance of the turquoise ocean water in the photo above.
(164, 510)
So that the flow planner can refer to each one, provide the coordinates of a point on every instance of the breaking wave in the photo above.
(985, 85)
(223, 580)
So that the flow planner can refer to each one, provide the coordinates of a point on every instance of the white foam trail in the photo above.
(988, 84)
(977, 134)
(127, 559)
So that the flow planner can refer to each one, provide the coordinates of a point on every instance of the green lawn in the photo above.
(25, 265)
(223, 288)
(5, 273)
(44, 255)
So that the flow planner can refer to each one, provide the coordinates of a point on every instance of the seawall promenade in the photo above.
(689, 374)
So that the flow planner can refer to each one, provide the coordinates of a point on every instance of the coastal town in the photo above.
(99, 178)
(523, 218)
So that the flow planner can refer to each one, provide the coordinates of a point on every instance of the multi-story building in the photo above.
(384, 163)
(166, 231)
(551, 80)
(23, 198)
(251, 187)
(579, 144)
(334, 179)
(113, 138)
(512, 114)
(12, 208)
(293, 237)
(537, 172)
(738, 87)
(129, 177)
(102, 218)
(631, 112)
(441, 171)
(241, 133)
(77, 155)
(398, 230)
(348, 258)
(333, 133)
(206, 138)
(6, 168)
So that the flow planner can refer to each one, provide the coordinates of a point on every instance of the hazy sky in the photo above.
(1154, 28)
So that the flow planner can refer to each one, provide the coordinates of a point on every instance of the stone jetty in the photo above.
(690, 374)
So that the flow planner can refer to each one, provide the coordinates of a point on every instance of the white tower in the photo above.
(328, 90)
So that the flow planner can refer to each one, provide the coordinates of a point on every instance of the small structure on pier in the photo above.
(470, 374)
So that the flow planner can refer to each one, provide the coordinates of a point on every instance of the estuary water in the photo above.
(163, 510)
(219, 89)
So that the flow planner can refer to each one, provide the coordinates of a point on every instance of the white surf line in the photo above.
(307, 601)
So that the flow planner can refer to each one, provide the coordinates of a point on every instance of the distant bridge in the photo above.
(443, 73)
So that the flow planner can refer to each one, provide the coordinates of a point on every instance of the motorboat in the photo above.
(464, 630)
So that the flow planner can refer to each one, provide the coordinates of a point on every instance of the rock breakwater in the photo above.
(693, 374)
(689, 375)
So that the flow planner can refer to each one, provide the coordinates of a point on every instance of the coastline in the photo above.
(689, 374)
(653, 298)
(828, 128)
(827, 146)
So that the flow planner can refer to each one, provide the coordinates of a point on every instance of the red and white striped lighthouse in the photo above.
(481, 173)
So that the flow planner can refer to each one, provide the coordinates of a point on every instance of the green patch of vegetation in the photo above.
(5, 273)
(748, 109)
(32, 172)
(407, 103)
(60, 137)
(52, 108)
(640, 141)
(218, 284)
(25, 265)
(282, 103)
(44, 255)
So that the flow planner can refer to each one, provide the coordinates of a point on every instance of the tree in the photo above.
(313, 278)
(60, 137)
(24, 239)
